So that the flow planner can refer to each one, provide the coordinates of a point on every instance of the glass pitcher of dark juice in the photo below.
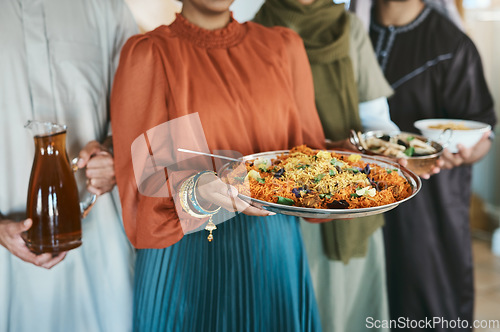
(53, 199)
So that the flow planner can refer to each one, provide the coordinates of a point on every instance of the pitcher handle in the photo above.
(85, 207)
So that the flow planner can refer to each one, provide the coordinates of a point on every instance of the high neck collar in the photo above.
(404, 28)
(228, 36)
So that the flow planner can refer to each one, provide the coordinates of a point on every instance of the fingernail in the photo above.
(26, 222)
(271, 214)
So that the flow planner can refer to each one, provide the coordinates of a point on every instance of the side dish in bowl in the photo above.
(450, 132)
(420, 152)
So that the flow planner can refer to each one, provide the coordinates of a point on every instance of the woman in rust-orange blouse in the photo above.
(208, 83)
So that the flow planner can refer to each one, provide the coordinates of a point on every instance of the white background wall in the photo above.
(244, 10)
(483, 26)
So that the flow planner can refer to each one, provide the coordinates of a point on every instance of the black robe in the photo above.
(436, 72)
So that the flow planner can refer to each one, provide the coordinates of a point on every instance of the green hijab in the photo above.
(325, 30)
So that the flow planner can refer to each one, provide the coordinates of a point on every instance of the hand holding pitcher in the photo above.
(11, 238)
(100, 167)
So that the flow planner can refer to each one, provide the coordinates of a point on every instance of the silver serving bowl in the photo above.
(419, 164)
(304, 212)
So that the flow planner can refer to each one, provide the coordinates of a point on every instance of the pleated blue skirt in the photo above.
(254, 276)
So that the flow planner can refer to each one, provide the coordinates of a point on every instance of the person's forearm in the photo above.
(375, 115)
